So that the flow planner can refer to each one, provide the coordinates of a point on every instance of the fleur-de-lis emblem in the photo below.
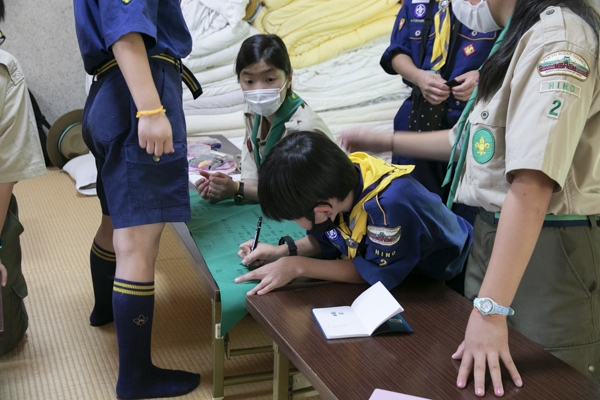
(481, 146)
(141, 320)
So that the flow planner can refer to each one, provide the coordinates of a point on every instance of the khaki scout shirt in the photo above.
(304, 119)
(21, 154)
(545, 117)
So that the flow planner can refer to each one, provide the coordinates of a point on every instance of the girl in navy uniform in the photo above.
(368, 219)
(427, 73)
(530, 160)
(133, 123)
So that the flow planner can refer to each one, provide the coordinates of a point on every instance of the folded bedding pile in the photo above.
(334, 45)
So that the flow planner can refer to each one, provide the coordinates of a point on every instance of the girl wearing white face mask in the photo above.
(530, 160)
(475, 16)
(273, 111)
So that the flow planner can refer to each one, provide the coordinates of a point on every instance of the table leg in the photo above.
(281, 371)
(218, 346)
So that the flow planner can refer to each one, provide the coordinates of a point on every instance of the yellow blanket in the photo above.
(317, 30)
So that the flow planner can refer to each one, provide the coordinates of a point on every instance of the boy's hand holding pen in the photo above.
(256, 234)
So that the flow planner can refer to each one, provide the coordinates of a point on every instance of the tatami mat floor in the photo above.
(63, 357)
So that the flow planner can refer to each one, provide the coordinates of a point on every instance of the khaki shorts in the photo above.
(557, 303)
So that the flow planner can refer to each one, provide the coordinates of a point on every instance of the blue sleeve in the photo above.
(120, 18)
(410, 228)
(399, 41)
(328, 249)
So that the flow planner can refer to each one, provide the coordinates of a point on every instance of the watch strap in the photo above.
(292, 248)
(238, 197)
(501, 310)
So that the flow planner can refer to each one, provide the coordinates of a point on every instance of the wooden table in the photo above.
(417, 364)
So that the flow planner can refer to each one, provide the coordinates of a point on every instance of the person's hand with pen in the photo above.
(276, 266)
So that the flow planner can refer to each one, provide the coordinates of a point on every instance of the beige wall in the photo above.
(41, 35)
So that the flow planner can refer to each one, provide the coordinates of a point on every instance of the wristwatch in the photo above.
(238, 197)
(487, 306)
(292, 248)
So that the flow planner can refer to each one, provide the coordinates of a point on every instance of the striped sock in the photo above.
(102, 265)
(138, 377)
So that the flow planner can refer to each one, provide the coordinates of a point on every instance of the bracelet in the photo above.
(292, 248)
(150, 112)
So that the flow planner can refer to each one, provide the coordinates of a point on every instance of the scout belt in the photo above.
(550, 220)
(186, 75)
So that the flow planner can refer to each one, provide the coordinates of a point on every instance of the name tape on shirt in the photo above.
(560, 86)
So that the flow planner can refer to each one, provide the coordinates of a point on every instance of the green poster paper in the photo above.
(218, 230)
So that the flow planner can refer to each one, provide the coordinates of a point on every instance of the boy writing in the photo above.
(368, 219)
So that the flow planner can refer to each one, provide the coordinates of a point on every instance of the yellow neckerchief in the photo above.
(441, 42)
(373, 170)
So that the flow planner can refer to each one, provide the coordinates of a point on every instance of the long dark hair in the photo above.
(525, 15)
(1, 10)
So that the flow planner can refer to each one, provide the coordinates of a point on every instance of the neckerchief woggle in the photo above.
(283, 115)
(464, 129)
(373, 170)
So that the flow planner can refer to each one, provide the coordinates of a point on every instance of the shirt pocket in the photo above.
(486, 162)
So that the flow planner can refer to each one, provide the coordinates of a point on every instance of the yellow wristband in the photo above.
(150, 112)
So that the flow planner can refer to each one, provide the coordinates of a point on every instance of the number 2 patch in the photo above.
(555, 107)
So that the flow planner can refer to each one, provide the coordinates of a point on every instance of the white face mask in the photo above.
(264, 102)
(478, 17)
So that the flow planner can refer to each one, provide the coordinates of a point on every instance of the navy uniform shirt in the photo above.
(408, 228)
(470, 51)
(100, 23)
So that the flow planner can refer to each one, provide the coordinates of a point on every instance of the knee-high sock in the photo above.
(138, 378)
(102, 264)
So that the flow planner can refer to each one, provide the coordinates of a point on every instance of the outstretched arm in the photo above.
(426, 145)
(284, 269)
(486, 337)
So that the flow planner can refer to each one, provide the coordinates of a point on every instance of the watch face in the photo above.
(486, 306)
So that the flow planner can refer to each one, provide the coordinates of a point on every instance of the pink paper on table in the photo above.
(380, 394)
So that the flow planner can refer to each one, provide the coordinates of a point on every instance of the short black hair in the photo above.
(303, 169)
(269, 48)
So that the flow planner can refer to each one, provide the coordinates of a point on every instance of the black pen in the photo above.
(256, 234)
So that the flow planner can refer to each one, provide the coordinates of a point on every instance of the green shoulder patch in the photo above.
(483, 145)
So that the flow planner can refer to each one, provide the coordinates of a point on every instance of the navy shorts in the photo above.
(134, 189)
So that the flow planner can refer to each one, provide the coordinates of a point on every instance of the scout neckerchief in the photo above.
(374, 171)
(441, 23)
(283, 115)
(464, 128)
